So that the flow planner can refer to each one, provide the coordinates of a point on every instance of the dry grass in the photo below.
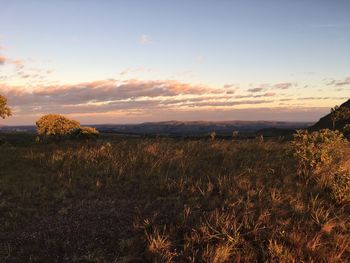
(163, 200)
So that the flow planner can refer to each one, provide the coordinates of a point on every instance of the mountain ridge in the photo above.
(326, 123)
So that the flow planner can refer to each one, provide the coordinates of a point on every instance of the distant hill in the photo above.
(198, 127)
(326, 122)
(184, 128)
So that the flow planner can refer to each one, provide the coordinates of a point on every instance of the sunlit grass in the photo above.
(165, 200)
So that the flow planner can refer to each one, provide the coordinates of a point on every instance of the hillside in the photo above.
(326, 122)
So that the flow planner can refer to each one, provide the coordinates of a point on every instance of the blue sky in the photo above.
(290, 57)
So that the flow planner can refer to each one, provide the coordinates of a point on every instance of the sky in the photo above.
(154, 60)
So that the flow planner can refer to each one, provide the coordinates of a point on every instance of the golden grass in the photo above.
(171, 200)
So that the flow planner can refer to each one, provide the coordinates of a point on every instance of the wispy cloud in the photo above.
(285, 85)
(256, 90)
(19, 63)
(145, 39)
(133, 70)
(344, 82)
(3, 59)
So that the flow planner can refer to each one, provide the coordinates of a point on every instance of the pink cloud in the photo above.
(19, 64)
(146, 39)
(3, 59)
(285, 85)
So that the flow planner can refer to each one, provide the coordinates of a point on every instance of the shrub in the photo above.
(317, 150)
(340, 186)
(56, 125)
(85, 133)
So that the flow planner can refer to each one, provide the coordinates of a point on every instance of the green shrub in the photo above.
(317, 150)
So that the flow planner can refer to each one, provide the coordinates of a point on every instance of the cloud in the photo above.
(134, 96)
(285, 85)
(146, 39)
(132, 70)
(255, 90)
(199, 58)
(3, 59)
(104, 90)
(269, 94)
(330, 82)
(112, 95)
(19, 64)
(344, 82)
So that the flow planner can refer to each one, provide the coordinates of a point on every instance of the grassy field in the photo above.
(165, 200)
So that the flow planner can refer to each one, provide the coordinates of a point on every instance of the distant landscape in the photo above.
(178, 128)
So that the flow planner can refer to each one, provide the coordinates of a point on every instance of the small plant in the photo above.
(159, 246)
(213, 135)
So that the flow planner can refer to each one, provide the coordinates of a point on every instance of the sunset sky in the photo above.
(136, 61)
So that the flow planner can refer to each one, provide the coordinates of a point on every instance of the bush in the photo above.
(322, 155)
(317, 150)
(340, 186)
(56, 125)
(85, 133)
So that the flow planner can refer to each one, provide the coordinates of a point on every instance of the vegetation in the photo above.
(58, 126)
(346, 130)
(5, 111)
(85, 133)
(339, 113)
(164, 200)
(318, 150)
(322, 156)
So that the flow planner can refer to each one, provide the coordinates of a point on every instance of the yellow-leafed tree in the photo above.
(56, 125)
(5, 111)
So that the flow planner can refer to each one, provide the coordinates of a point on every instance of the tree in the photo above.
(339, 113)
(56, 125)
(5, 111)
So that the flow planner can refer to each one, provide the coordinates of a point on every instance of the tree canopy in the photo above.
(56, 125)
(5, 111)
